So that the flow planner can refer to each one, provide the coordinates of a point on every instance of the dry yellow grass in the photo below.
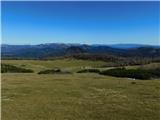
(29, 96)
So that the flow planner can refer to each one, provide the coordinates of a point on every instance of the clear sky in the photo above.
(80, 22)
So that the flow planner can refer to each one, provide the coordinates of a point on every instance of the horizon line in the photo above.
(85, 44)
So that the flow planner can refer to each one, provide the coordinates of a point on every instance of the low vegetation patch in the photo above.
(155, 72)
(89, 70)
(133, 73)
(53, 71)
(6, 68)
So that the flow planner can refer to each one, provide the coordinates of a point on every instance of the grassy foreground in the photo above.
(78, 96)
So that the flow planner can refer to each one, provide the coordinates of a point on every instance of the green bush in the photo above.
(5, 68)
(52, 71)
(130, 73)
(155, 72)
(89, 70)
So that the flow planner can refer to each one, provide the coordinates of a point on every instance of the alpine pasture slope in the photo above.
(76, 96)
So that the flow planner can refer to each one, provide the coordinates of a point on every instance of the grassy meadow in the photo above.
(76, 96)
(70, 64)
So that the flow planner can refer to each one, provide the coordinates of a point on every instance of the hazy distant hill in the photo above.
(55, 49)
(129, 46)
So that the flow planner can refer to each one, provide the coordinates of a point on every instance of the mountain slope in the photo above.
(55, 50)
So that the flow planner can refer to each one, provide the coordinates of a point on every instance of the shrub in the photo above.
(5, 68)
(52, 71)
(89, 70)
(130, 73)
(133, 82)
(155, 72)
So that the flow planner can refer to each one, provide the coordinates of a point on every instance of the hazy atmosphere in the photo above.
(80, 22)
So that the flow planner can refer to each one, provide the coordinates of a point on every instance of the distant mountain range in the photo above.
(129, 46)
(58, 49)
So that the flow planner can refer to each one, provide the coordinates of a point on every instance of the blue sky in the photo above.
(80, 22)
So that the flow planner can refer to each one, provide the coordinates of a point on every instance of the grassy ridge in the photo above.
(39, 65)
(86, 96)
